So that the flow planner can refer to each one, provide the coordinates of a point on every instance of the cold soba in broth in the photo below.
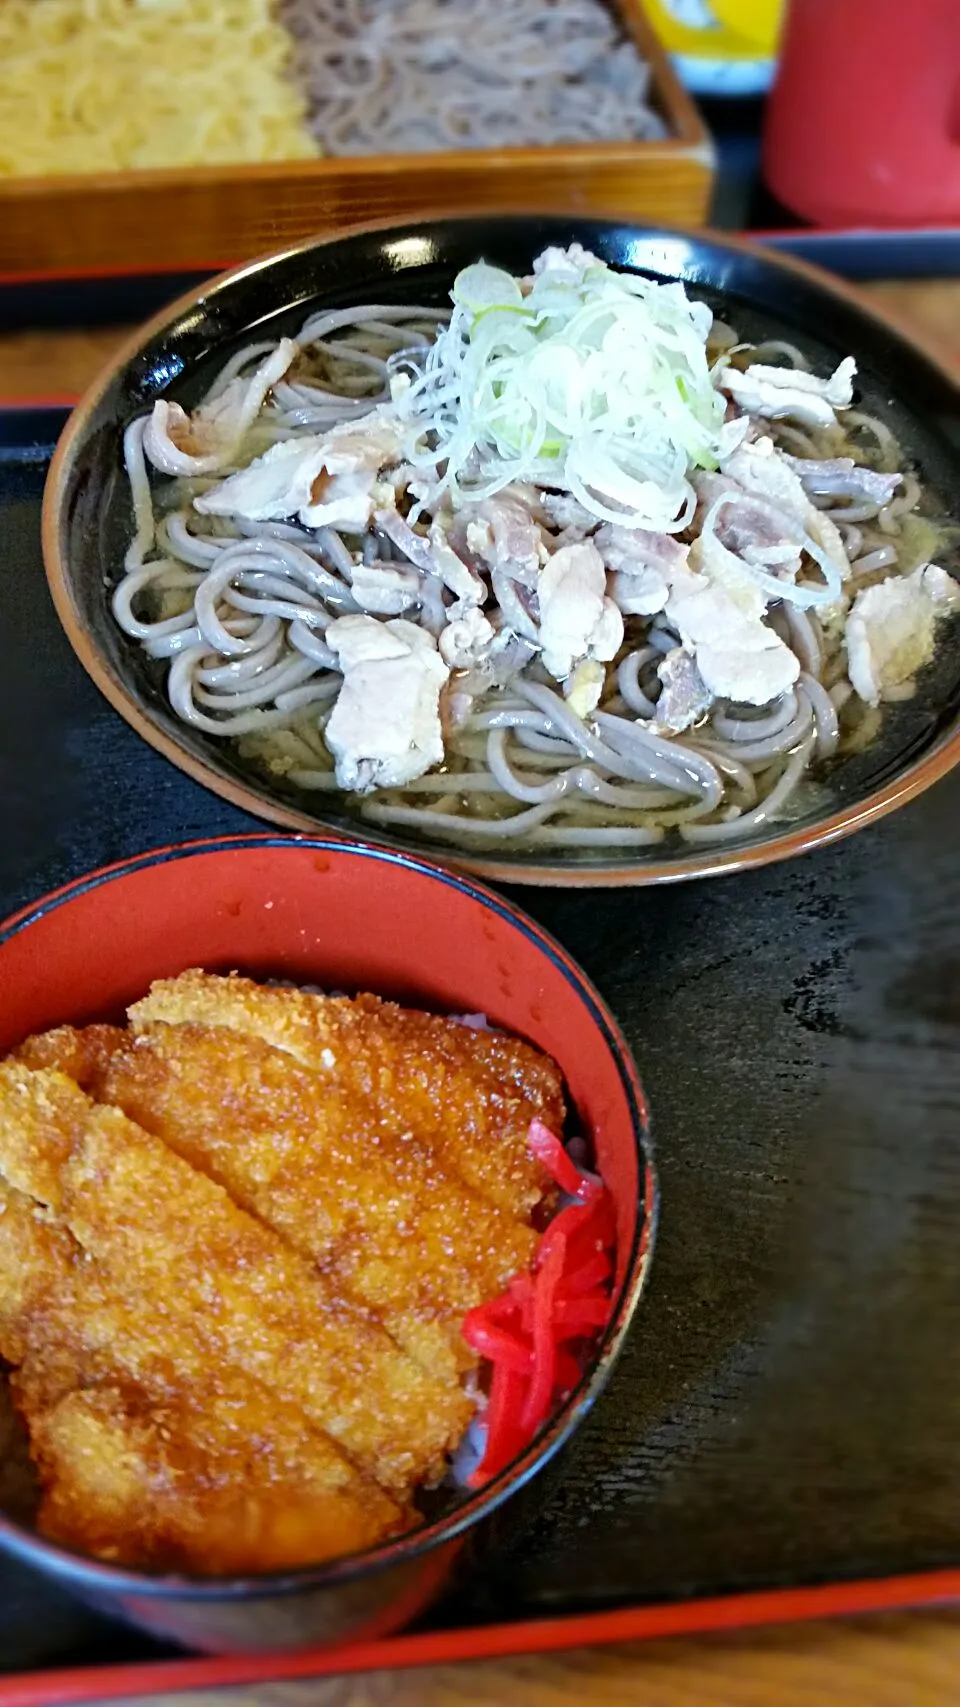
(569, 566)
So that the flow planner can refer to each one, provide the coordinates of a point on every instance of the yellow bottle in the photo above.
(718, 28)
(720, 45)
(756, 21)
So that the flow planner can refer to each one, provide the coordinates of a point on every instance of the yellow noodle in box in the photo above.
(115, 85)
(720, 47)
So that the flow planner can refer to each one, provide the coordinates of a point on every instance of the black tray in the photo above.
(788, 1408)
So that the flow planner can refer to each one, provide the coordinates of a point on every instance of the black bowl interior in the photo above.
(759, 294)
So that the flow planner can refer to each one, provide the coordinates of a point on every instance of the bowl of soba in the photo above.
(560, 550)
(319, 1234)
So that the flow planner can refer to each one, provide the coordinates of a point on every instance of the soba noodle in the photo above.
(413, 76)
(235, 612)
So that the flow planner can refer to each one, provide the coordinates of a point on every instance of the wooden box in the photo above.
(214, 216)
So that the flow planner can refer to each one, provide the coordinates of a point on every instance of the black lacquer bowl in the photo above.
(88, 521)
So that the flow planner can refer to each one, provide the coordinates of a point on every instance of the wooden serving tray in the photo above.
(181, 218)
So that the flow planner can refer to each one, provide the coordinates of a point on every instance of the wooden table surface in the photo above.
(910, 1660)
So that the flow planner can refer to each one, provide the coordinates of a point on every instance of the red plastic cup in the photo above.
(863, 123)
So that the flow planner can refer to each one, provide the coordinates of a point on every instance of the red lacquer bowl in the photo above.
(345, 917)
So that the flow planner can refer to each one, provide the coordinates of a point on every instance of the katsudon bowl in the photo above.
(348, 918)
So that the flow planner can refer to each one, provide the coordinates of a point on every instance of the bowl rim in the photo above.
(911, 781)
(90, 1573)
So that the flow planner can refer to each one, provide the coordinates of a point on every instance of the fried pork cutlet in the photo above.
(237, 1244)
(80, 1052)
(36, 1267)
(379, 1213)
(470, 1094)
(152, 1483)
(174, 1239)
(146, 1451)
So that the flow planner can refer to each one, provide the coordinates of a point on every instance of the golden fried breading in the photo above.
(237, 1244)
(195, 1466)
(154, 1484)
(36, 1264)
(80, 1053)
(43, 1119)
(469, 1093)
(377, 1212)
(171, 1236)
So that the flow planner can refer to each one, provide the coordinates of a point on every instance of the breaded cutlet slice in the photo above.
(175, 1239)
(80, 1052)
(37, 1260)
(152, 1484)
(471, 1094)
(378, 1212)
(149, 1452)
